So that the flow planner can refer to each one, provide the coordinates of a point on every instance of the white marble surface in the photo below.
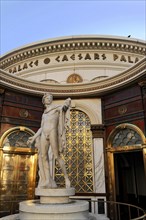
(55, 192)
(75, 210)
(54, 196)
(90, 217)
(11, 217)
(92, 107)
(34, 206)
(99, 173)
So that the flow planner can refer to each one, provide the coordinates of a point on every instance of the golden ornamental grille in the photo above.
(78, 154)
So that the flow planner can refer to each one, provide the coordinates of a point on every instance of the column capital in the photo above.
(142, 84)
(97, 130)
(1, 90)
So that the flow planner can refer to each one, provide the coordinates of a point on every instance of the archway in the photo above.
(17, 168)
(126, 165)
(78, 155)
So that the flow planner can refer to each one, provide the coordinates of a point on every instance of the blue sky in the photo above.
(24, 22)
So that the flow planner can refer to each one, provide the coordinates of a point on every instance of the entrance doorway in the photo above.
(18, 165)
(130, 181)
(126, 156)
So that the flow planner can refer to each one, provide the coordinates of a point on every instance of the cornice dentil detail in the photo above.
(73, 44)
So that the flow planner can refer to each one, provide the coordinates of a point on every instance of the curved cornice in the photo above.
(90, 42)
(84, 89)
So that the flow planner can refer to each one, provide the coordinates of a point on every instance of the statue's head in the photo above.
(46, 96)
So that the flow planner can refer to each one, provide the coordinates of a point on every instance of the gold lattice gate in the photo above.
(78, 155)
(17, 169)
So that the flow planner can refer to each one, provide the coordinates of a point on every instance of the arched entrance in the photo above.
(78, 155)
(126, 165)
(17, 169)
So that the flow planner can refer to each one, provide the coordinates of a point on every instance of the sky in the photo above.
(24, 22)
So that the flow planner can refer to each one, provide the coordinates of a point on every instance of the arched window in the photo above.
(126, 135)
(78, 155)
(16, 137)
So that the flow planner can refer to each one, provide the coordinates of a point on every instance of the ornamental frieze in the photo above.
(134, 72)
(70, 58)
(73, 44)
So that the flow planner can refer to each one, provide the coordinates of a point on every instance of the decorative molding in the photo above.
(71, 44)
(2, 91)
(77, 89)
(74, 78)
(23, 113)
(142, 83)
(97, 131)
(122, 109)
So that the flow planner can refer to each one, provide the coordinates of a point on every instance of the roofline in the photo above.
(73, 37)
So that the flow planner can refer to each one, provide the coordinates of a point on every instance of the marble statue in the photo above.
(51, 134)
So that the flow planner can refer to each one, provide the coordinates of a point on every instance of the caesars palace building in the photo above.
(105, 76)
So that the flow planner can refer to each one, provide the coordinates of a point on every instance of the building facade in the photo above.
(105, 76)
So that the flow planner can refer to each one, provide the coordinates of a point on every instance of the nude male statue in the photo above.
(51, 134)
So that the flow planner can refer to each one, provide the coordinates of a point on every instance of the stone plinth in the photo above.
(74, 210)
(54, 196)
(54, 204)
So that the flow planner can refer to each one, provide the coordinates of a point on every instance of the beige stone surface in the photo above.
(57, 195)
(55, 192)
(11, 217)
(92, 57)
(75, 210)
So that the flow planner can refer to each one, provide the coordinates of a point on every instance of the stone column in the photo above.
(98, 156)
(142, 84)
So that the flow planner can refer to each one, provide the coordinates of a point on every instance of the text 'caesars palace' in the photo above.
(105, 156)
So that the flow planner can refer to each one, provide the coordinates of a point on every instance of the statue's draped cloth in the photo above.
(64, 123)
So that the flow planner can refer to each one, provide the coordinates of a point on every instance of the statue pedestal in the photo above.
(54, 204)
(54, 196)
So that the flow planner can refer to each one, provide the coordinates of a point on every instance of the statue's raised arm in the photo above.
(67, 104)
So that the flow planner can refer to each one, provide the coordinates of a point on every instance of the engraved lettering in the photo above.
(25, 66)
(31, 64)
(123, 58)
(129, 59)
(103, 56)
(36, 62)
(96, 56)
(87, 57)
(136, 59)
(58, 59)
(14, 70)
(80, 56)
(72, 57)
(64, 58)
(19, 68)
(115, 57)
